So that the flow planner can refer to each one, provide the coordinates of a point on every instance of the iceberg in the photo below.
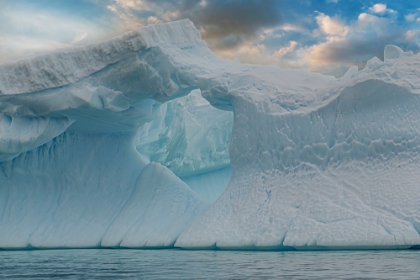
(149, 140)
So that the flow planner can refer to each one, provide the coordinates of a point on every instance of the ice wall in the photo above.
(101, 146)
(335, 168)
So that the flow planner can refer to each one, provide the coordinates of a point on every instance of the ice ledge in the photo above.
(66, 66)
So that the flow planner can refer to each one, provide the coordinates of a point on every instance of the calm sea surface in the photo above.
(180, 264)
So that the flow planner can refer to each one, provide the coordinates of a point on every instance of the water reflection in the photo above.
(173, 264)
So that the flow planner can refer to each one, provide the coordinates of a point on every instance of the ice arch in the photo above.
(92, 156)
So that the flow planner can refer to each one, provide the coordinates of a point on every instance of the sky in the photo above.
(326, 36)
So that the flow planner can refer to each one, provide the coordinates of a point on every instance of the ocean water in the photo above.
(181, 264)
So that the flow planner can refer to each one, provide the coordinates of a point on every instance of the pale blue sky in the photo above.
(322, 35)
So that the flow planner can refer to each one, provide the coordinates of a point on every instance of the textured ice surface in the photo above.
(341, 171)
(111, 145)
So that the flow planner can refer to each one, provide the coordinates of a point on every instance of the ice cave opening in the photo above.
(191, 138)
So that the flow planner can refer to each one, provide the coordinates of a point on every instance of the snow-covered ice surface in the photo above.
(111, 145)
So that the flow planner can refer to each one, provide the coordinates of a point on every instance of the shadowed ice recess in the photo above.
(149, 140)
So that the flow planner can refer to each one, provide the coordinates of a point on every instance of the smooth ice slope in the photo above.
(91, 157)
(83, 191)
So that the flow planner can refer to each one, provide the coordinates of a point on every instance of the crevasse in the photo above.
(112, 145)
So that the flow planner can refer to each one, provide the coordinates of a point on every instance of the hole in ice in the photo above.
(191, 138)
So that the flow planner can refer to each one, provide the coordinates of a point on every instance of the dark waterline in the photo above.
(180, 264)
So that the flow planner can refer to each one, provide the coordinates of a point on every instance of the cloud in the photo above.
(222, 18)
(410, 17)
(331, 26)
(245, 51)
(293, 27)
(228, 26)
(380, 9)
(235, 30)
(225, 24)
(285, 33)
(412, 35)
(366, 37)
(282, 51)
(27, 31)
(231, 28)
(80, 36)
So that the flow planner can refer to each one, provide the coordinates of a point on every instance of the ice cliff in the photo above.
(113, 145)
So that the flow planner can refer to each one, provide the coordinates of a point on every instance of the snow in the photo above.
(113, 145)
